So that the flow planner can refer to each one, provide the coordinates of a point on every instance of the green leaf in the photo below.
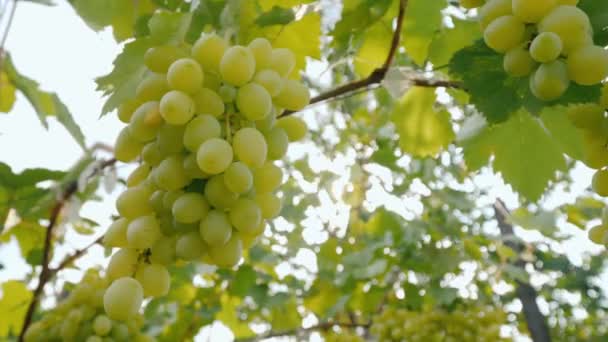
(373, 51)
(569, 138)
(422, 130)
(276, 16)
(13, 306)
(542, 221)
(517, 273)
(29, 236)
(463, 34)
(243, 281)
(64, 116)
(208, 12)
(422, 20)
(598, 14)
(27, 177)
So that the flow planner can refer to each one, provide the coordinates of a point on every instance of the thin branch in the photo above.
(297, 332)
(8, 24)
(75, 255)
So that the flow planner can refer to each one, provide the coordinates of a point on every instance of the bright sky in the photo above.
(65, 56)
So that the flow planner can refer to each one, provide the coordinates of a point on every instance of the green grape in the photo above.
(138, 175)
(253, 101)
(199, 130)
(546, 47)
(208, 51)
(550, 81)
(143, 232)
(192, 169)
(267, 123)
(571, 24)
(249, 237)
(238, 178)
(120, 332)
(133, 202)
(595, 151)
(151, 154)
(116, 235)
(94, 338)
(208, 102)
(126, 110)
(250, 147)
(294, 96)
(102, 325)
(237, 65)
(182, 228)
(217, 194)
(126, 147)
(215, 228)
(122, 264)
(170, 198)
(185, 75)
(170, 139)
(504, 33)
(176, 107)
(586, 116)
(262, 52)
(267, 178)
(532, 11)
(295, 127)
(190, 246)
(190, 208)
(214, 156)
(494, 9)
(163, 251)
(170, 174)
(282, 61)
(518, 62)
(245, 215)
(152, 88)
(212, 81)
(159, 58)
(69, 329)
(270, 80)
(269, 203)
(154, 279)
(229, 254)
(588, 65)
(123, 299)
(598, 234)
(600, 182)
(227, 93)
(156, 201)
(278, 142)
(145, 122)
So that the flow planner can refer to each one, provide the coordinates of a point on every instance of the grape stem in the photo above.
(378, 75)
(47, 273)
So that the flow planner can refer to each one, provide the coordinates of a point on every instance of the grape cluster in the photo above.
(80, 317)
(207, 123)
(549, 41)
(473, 324)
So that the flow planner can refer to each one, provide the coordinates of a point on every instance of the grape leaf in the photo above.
(29, 236)
(207, 12)
(445, 44)
(373, 50)
(422, 20)
(276, 16)
(563, 131)
(13, 305)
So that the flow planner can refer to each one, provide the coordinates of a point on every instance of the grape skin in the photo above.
(123, 299)
(283, 61)
(550, 81)
(237, 66)
(546, 47)
(238, 178)
(199, 130)
(588, 65)
(186, 75)
(155, 280)
(190, 208)
(492, 10)
(122, 264)
(245, 215)
(143, 232)
(208, 51)
(253, 101)
(504, 33)
(176, 107)
(571, 24)
(250, 147)
(532, 11)
(518, 62)
(262, 52)
(215, 229)
(214, 156)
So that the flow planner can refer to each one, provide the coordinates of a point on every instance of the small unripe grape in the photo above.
(295, 127)
(269, 203)
(208, 102)
(214, 156)
(186, 75)
(159, 58)
(237, 66)
(190, 246)
(170, 174)
(532, 11)
(294, 96)
(199, 130)
(504, 33)
(143, 232)
(116, 235)
(600, 182)
(253, 101)
(550, 81)
(102, 325)
(270, 80)
(250, 147)
(267, 178)
(546, 47)
(176, 107)
(154, 279)
(152, 88)
(217, 194)
(518, 62)
(208, 51)
(215, 228)
(238, 178)
(229, 254)
(190, 207)
(278, 142)
(245, 215)
(262, 52)
(588, 65)
(492, 10)
(123, 299)
(283, 61)
(122, 264)
(126, 147)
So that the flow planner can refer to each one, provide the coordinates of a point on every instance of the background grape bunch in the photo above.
(207, 123)
(549, 41)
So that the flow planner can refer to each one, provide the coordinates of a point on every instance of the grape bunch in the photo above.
(549, 41)
(473, 324)
(80, 317)
(207, 124)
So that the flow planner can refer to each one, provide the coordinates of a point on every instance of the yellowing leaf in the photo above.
(422, 21)
(374, 49)
(422, 130)
(7, 93)
(29, 235)
(13, 305)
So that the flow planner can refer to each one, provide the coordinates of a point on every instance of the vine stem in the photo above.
(379, 74)
(324, 326)
(47, 273)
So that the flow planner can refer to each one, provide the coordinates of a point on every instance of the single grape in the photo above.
(586, 116)
(532, 11)
(102, 325)
(294, 96)
(217, 194)
(269, 203)
(588, 65)
(152, 88)
(170, 139)
(600, 182)
(143, 232)
(190, 207)
(163, 251)
(138, 175)
(214, 156)
(176, 107)
(595, 151)
(546, 47)
(278, 142)
(599, 234)
(295, 127)
(270, 80)
(192, 169)
(518, 62)
(504, 33)
(494, 9)
(116, 235)
(237, 66)
(170, 198)
(215, 228)
(199, 130)
(262, 52)
(154, 279)
(245, 215)
(227, 93)
(123, 299)
(126, 147)
(267, 178)
(208, 51)
(133, 202)
(190, 246)
(238, 178)
(156, 201)
(186, 75)
(550, 81)
(253, 101)
(250, 147)
(229, 254)
(170, 174)
(282, 61)
(571, 24)
(267, 123)
(159, 58)
(122, 264)
(126, 110)
(151, 154)
(145, 122)
(208, 102)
